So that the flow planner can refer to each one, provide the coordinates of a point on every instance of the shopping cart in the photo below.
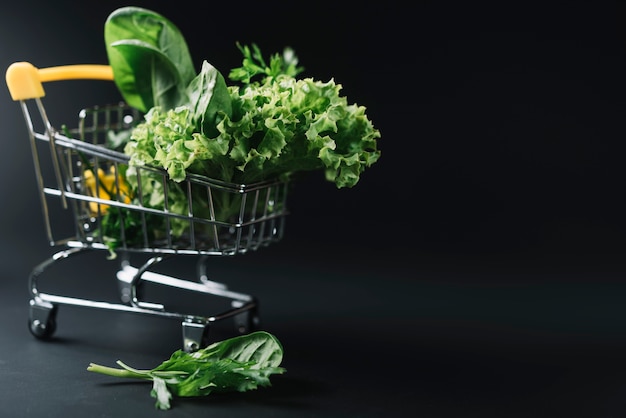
(79, 172)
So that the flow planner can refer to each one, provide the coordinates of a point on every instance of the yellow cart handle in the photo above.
(25, 80)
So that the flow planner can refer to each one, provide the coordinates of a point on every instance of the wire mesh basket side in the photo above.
(99, 162)
(56, 163)
(197, 215)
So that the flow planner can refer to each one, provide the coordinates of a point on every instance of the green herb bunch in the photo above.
(238, 364)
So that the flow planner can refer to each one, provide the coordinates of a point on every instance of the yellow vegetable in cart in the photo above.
(106, 188)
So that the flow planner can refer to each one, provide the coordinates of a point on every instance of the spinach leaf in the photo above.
(150, 58)
(208, 94)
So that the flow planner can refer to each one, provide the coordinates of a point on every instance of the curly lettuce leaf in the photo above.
(288, 125)
(171, 139)
(275, 129)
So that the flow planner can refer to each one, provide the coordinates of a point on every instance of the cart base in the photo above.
(195, 328)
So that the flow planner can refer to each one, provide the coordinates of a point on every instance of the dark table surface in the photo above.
(371, 335)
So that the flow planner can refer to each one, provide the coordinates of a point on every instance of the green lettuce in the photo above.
(286, 125)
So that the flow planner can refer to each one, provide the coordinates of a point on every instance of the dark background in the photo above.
(477, 269)
(501, 128)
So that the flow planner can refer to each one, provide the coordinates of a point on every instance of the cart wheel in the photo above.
(42, 330)
(42, 322)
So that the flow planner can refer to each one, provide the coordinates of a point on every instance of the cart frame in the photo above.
(78, 161)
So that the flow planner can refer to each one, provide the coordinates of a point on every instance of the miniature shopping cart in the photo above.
(79, 172)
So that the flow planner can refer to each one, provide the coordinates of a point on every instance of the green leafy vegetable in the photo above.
(269, 125)
(149, 56)
(254, 65)
(152, 66)
(237, 364)
(208, 95)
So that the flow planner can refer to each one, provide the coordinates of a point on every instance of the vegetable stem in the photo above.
(111, 371)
